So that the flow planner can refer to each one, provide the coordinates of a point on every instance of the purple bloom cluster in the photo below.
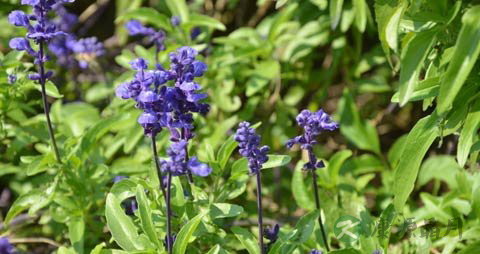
(272, 233)
(316, 252)
(39, 29)
(5, 246)
(178, 163)
(135, 28)
(70, 50)
(175, 20)
(313, 124)
(249, 143)
(167, 106)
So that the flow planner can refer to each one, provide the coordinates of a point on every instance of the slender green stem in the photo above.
(157, 165)
(45, 102)
(260, 212)
(169, 214)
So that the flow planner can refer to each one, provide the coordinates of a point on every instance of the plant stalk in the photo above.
(157, 165)
(45, 102)
(317, 203)
(169, 214)
(189, 174)
(260, 212)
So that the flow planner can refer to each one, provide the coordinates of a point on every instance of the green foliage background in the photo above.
(400, 76)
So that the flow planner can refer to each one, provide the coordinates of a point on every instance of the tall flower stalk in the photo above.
(249, 144)
(313, 124)
(170, 107)
(41, 31)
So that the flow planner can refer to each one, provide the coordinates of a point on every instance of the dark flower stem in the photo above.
(45, 102)
(169, 213)
(317, 203)
(260, 213)
(157, 165)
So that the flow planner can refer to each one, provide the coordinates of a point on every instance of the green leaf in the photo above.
(148, 15)
(335, 12)
(203, 20)
(183, 237)
(50, 88)
(442, 167)
(468, 135)
(22, 203)
(76, 231)
(413, 56)
(225, 151)
(179, 8)
(304, 228)
(247, 239)
(121, 226)
(361, 11)
(418, 141)
(224, 210)
(467, 49)
(346, 251)
(361, 133)
(146, 217)
(335, 163)
(388, 216)
(216, 250)
(301, 194)
(471, 248)
(388, 14)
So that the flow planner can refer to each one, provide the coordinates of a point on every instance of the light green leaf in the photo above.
(76, 230)
(413, 56)
(346, 251)
(361, 11)
(301, 194)
(183, 237)
(51, 89)
(388, 14)
(121, 226)
(146, 217)
(224, 210)
(442, 167)
(335, 163)
(24, 202)
(418, 141)
(203, 20)
(468, 135)
(304, 228)
(247, 239)
(467, 49)
(225, 151)
(335, 12)
(148, 15)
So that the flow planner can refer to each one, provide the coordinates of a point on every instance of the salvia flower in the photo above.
(272, 233)
(12, 78)
(5, 246)
(175, 20)
(136, 28)
(177, 163)
(166, 106)
(249, 144)
(87, 50)
(316, 252)
(313, 124)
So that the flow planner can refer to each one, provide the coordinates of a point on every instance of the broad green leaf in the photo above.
(179, 8)
(282, 17)
(280, 3)
(468, 135)
(22, 203)
(224, 210)
(418, 141)
(183, 237)
(121, 226)
(471, 248)
(247, 239)
(304, 228)
(388, 216)
(203, 20)
(51, 89)
(225, 151)
(216, 250)
(335, 12)
(146, 217)
(388, 14)
(352, 126)
(301, 194)
(424, 89)
(335, 163)
(346, 251)
(413, 56)
(442, 167)
(76, 231)
(467, 49)
(148, 15)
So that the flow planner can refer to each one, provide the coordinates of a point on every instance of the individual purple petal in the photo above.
(147, 118)
(18, 18)
(199, 68)
(134, 27)
(30, 2)
(20, 44)
(198, 168)
(12, 78)
(148, 97)
(139, 64)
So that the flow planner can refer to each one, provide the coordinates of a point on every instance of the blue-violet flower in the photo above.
(249, 143)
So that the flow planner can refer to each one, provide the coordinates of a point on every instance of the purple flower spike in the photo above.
(177, 164)
(5, 246)
(272, 233)
(139, 64)
(316, 252)
(249, 143)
